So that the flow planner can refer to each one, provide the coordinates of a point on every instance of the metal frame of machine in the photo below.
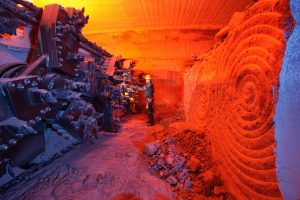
(68, 83)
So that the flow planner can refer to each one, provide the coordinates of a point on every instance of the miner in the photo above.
(149, 94)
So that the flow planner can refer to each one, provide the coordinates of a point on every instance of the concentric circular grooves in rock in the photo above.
(242, 97)
(262, 180)
(202, 109)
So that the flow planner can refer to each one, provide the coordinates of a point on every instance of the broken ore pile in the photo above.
(184, 160)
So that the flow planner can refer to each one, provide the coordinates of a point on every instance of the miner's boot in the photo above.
(150, 121)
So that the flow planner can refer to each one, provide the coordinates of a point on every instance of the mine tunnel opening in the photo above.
(224, 76)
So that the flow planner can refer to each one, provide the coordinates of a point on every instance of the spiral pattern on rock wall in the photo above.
(235, 95)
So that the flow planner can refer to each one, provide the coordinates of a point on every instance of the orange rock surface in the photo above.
(231, 93)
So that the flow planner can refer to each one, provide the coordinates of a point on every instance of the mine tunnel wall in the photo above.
(231, 93)
(287, 116)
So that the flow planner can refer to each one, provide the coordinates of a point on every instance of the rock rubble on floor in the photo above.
(184, 161)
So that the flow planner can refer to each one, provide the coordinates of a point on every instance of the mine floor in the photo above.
(117, 166)
(111, 168)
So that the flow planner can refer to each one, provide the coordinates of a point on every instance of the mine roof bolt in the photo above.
(31, 122)
(39, 78)
(42, 112)
(38, 119)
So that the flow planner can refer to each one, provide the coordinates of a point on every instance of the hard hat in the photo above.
(148, 77)
(131, 99)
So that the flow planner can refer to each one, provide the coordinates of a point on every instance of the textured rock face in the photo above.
(231, 92)
(287, 116)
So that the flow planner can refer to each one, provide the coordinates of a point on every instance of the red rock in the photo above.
(211, 179)
(151, 148)
(188, 183)
(208, 177)
(161, 174)
(193, 164)
(219, 190)
(172, 180)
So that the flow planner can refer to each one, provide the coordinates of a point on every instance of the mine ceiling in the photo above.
(123, 15)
